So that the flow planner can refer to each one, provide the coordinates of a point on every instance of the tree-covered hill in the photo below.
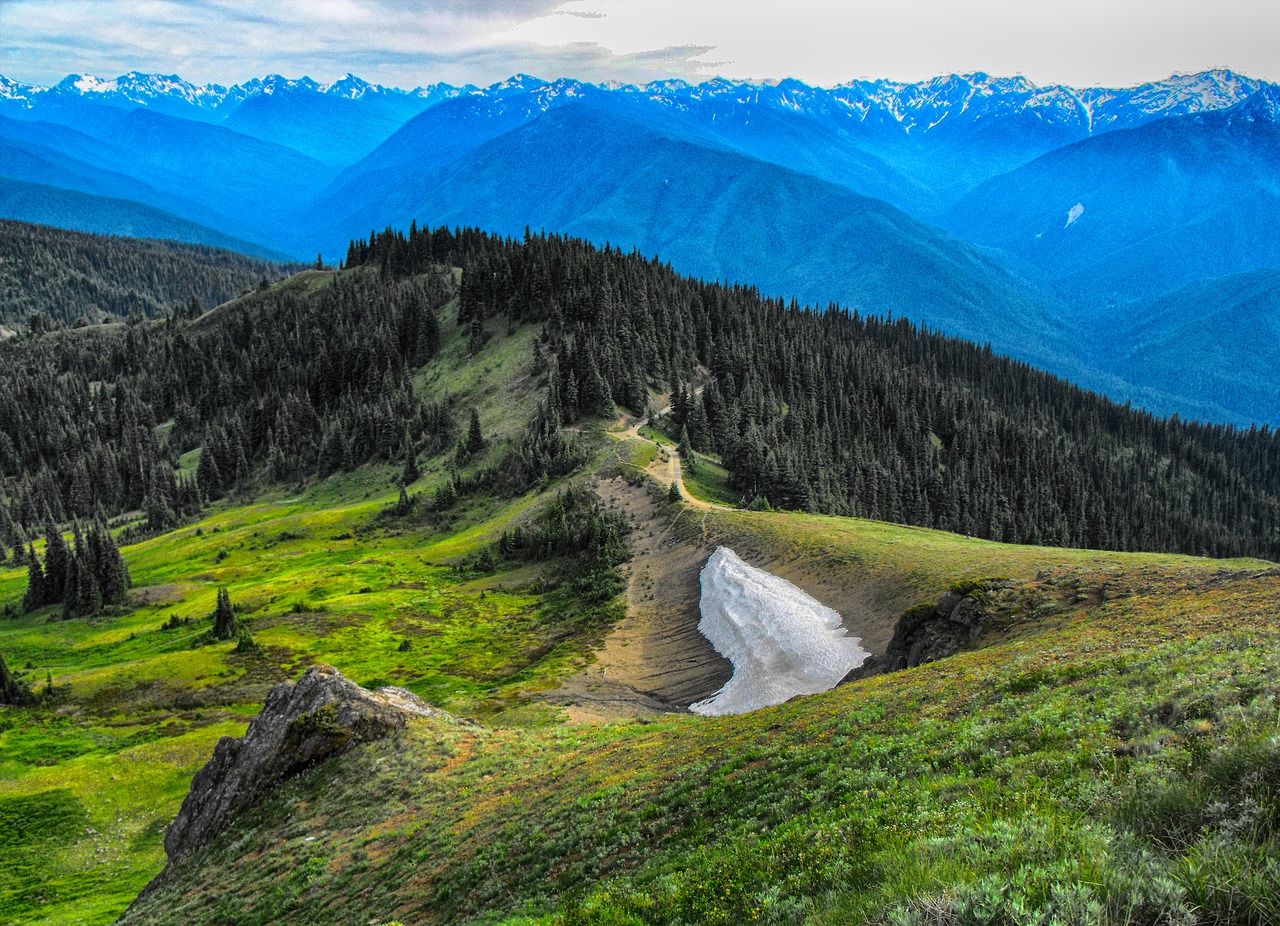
(68, 276)
(820, 411)
(831, 412)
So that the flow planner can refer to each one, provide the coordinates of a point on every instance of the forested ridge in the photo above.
(826, 411)
(63, 277)
(288, 385)
(834, 412)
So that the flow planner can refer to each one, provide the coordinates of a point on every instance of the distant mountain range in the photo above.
(1094, 232)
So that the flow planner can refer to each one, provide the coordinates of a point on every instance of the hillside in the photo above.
(1169, 203)
(975, 784)
(709, 213)
(320, 376)
(1192, 336)
(36, 204)
(818, 193)
(69, 276)
(438, 469)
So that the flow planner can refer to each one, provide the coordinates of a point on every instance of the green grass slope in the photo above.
(318, 575)
(1112, 763)
(323, 576)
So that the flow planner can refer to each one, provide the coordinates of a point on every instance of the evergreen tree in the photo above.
(110, 570)
(87, 599)
(224, 617)
(475, 439)
(685, 449)
(13, 690)
(56, 561)
(34, 599)
(673, 493)
(208, 476)
(411, 472)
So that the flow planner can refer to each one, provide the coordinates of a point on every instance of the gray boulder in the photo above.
(302, 723)
(927, 633)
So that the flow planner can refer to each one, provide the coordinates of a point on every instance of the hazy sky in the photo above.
(411, 42)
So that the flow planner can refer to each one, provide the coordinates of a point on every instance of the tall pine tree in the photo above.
(56, 560)
(34, 599)
(224, 617)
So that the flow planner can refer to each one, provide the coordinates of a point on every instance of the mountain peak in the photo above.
(84, 83)
(275, 83)
(350, 87)
(518, 82)
(1263, 105)
(17, 91)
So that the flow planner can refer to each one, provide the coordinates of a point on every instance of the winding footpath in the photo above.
(667, 467)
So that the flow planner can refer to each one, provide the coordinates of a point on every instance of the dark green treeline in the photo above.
(50, 276)
(832, 412)
(820, 410)
(285, 386)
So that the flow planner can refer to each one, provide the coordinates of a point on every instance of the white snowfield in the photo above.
(782, 643)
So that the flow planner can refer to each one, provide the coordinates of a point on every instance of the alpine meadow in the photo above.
(629, 502)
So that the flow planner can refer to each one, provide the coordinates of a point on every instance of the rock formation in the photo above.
(301, 723)
(927, 633)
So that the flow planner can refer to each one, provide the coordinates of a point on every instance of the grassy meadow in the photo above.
(1110, 755)
(1102, 764)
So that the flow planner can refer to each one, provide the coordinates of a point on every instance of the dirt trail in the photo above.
(667, 467)
(654, 660)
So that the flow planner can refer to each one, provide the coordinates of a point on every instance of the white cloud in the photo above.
(409, 42)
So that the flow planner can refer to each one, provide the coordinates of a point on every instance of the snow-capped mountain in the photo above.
(19, 94)
(1179, 95)
(916, 107)
(169, 91)
(1263, 106)
(160, 91)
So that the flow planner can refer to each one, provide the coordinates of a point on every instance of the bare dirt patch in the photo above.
(655, 659)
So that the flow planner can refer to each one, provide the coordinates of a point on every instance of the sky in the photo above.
(409, 43)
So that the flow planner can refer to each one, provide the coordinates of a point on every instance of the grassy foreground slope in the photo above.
(1113, 763)
(90, 781)
(323, 576)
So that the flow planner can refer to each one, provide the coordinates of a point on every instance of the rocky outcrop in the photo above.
(303, 722)
(927, 633)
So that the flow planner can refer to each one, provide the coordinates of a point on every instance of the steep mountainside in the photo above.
(246, 182)
(1218, 339)
(46, 205)
(69, 276)
(289, 114)
(1139, 212)
(1060, 202)
(54, 155)
(715, 214)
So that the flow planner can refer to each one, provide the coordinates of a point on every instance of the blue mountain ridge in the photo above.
(103, 215)
(819, 193)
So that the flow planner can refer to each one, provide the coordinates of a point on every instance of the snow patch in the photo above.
(1074, 213)
(87, 83)
(782, 642)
